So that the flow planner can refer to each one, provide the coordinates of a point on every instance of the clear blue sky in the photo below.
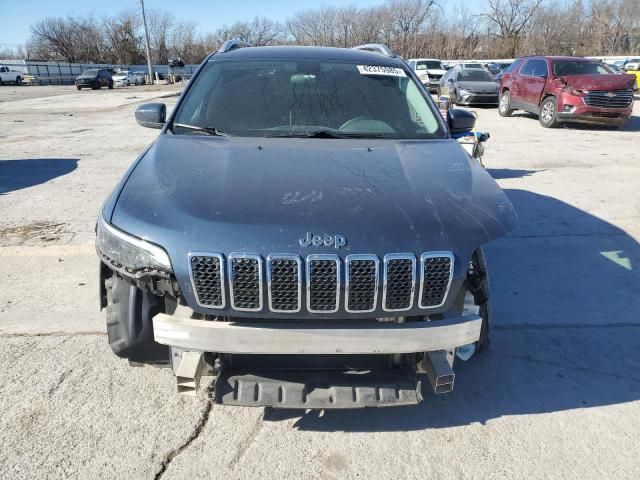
(16, 16)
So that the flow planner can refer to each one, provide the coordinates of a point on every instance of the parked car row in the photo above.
(557, 89)
(96, 78)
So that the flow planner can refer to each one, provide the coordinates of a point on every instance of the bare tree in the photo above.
(506, 28)
(511, 18)
(160, 24)
(123, 39)
(72, 38)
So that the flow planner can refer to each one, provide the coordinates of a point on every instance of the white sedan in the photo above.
(126, 78)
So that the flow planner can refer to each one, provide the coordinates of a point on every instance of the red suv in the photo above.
(566, 89)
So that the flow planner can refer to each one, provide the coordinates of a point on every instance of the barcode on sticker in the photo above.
(381, 70)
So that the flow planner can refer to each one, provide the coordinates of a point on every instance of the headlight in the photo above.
(464, 92)
(126, 252)
(574, 91)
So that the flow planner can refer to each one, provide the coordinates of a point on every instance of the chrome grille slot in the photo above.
(609, 99)
(245, 279)
(399, 281)
(323, 283)
(243, 274)
(436, 273)
(284, 282)
(207, 279)
(361, 285)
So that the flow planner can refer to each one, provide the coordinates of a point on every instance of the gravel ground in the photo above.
(558, 395)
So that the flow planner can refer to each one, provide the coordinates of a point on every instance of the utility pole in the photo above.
(146, 37)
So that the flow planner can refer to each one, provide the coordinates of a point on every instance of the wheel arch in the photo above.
(544, 96)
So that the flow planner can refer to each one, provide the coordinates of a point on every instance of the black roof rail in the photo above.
(378, 48)
(232, 45)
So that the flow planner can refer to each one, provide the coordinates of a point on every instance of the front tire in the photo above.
(78, 87)
(18, 80)
(130, 311)
(504, 107)
(548, 115)
(111, 86)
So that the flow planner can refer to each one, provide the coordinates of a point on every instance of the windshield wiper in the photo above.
(327, 134)
(207, 130)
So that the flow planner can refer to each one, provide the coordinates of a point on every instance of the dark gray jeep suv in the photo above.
(305, 229)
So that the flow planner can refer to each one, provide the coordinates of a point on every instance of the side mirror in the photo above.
(151, 115)
(461, 121)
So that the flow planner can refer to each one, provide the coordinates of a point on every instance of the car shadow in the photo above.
(632, 125)
(19, 174)
(504, 173)
(566, 328)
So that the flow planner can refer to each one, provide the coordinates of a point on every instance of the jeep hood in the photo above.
(261, 195)
(599, 82)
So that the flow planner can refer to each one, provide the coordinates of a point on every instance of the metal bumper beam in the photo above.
(298, 337)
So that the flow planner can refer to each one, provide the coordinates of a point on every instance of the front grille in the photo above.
(207, 279)
(320, 283)
(245, 277)
(283, 277)
(361, 283)
(399, 282)
(323, 283)
(609, 99)
(437, 272)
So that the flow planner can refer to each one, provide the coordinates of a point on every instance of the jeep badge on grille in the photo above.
(326, 240)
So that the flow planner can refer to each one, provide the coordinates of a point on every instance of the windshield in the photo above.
(429, 65)
(90, 72)
(578, 67)
(305, 98)
(475, 76)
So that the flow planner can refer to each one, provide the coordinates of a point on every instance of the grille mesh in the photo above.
(362, 285)
(399, 290)
(322, 281)
(285, 284)
(323, 285)
(245, 282)
(436, 272)
(207, 280)
(601, 98)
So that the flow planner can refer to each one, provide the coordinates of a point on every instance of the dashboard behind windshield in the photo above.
(305, 97)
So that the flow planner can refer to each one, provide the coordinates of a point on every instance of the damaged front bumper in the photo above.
(258, 377)
(305, 338)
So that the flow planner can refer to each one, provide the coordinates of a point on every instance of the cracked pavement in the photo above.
(557, 396)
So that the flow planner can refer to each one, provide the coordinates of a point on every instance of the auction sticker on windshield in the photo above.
(381, 70)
